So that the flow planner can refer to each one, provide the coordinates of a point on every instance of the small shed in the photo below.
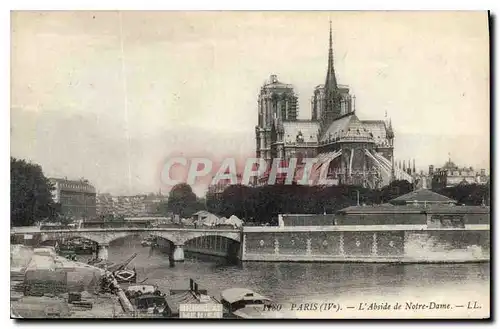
(186, 304)
(205, 218)
(234, 221)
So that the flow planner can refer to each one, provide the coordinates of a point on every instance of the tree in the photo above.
(213, 202)
(30, 194)
(468, 194)
(237, 200)
(182, 201)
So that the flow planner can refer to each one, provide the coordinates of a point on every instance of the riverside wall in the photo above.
(376, 243)
(352, 243)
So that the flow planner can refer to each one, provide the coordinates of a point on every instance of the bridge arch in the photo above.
(190, 235)
(177, 238)
(222, 245)
(125, 235)
(59, 236)
(46, 239)
(100, 237)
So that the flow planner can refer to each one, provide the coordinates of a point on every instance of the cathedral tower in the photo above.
(277, 103)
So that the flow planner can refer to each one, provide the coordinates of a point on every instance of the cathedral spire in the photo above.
(331, 80)
(332, 99)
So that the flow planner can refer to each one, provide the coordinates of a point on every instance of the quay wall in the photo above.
(376, 243)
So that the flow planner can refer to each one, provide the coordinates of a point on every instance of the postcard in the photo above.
(250, 165)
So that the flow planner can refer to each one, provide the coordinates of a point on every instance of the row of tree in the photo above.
(263, 204)
(474, 195)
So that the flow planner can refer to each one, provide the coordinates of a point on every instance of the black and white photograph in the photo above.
(249, 164)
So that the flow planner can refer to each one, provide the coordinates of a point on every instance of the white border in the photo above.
(184, 5)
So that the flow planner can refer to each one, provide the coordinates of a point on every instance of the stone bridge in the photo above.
(103, 236)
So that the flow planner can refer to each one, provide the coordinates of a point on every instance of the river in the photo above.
(299, 283)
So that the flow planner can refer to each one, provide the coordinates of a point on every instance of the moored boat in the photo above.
(78, 246)
(246, 304)
(147, 300)
(145, 243)
(193, 303)
(149, 241)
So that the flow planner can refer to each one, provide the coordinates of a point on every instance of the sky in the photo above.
(109, 95)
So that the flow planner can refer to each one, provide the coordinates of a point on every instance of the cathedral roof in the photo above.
(377, 128)
(307, 129)
(345, 127)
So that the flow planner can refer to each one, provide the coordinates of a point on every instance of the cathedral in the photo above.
(356, 152)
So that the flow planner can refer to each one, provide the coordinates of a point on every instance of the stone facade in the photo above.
(77, 198)
(451, 175)
(129, 206)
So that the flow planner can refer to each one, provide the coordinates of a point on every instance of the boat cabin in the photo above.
(188, 304)
(192, 303)
(141, 289)
(150, 302)
(238, 298)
